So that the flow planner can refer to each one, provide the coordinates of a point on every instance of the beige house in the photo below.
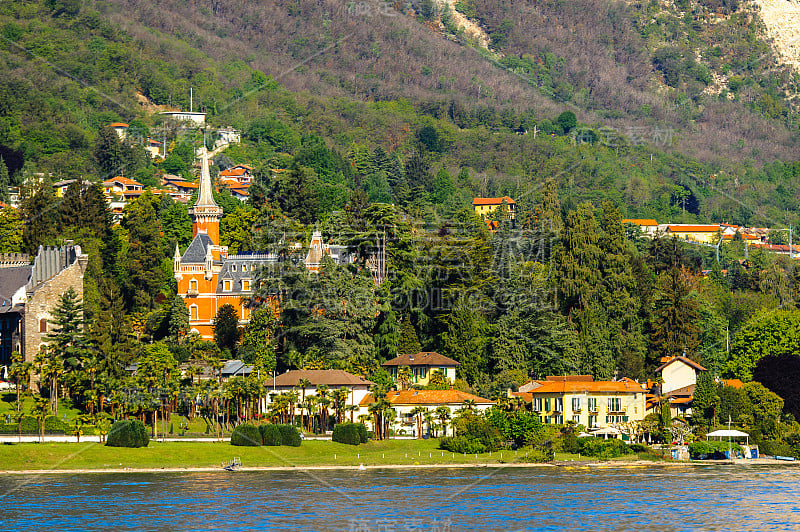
(677, 373)
(584, 401)
(405, 402)
(422, 365)
(708, 234)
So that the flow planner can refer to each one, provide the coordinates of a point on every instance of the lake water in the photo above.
(657, 498)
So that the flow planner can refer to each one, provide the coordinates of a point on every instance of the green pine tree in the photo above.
(178, 319)
(5, 181)
(409, 342)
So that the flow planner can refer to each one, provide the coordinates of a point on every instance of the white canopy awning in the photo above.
(605, 430)
(732, 433)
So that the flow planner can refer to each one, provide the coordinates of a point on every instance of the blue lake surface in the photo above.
(505, 499)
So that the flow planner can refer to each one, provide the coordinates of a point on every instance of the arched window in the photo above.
(43, 325)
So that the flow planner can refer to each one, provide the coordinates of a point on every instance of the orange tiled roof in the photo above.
(526, 396)
(118, 124)
(693, 228)
(639, 221)
(685, 360)
(493, 201)
(123, 180)
(428, 397)
(234, 172)
(587, 386)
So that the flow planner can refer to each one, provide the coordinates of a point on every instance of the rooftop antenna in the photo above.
(191, 100)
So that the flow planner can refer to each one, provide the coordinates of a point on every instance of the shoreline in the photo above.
(568, 465)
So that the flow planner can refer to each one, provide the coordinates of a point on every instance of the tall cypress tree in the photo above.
(39, 214)
(146, 249)
(5, 181)
(409, 342)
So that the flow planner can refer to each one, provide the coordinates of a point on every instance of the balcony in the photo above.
(192, 292)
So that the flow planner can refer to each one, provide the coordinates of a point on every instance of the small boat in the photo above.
(785, 458)
(235, 464)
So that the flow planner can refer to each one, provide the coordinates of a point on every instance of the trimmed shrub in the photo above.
(246, 436)
(128, 433)
(639, 448)
(479, 430)
(289, 435)
(350, 433)
(270, 434)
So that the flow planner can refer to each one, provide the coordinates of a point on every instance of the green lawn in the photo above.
(212, 454)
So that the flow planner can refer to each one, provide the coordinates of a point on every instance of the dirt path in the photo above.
(471, 29)
(782, 19)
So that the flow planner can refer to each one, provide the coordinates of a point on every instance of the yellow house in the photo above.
(422, 366)
(484, 206)
(582, 400)
(698, 233)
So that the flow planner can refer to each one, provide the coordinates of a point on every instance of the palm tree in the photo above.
(353, 409)
(303, 384)
(428, 417)
(443, 414)
(323, 400)
(20, 372)
(418, 412)
(340, 403)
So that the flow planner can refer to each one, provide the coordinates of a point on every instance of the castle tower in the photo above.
(206, 213)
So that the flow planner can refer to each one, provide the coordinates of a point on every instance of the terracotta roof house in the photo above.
(484, 206)
(422, 365)
(332, 378)
(405, 402)
(584, 401)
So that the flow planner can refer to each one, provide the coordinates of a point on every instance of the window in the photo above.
(559, 404)
(547, 404)
(193, 285)
(246, 285)
(244, 267)
(558, 420)
(226, 285)
(576, 419)
(576, 404)
(233, 267)
(592, 421)
(193, 312)
(537, 404)
(615, 404)
(592, 404)
(43, 325)
(245, 313)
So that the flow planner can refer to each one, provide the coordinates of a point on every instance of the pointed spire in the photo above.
(177, 252)
(205, 196)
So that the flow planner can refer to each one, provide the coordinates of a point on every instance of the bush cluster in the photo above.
(350, 433)
(253, 436)
(30, 425)
(474, 434)
(711, 450)
(600, 448)
(128, 433)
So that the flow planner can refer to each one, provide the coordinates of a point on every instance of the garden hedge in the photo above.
(246, 436)
(128, 433)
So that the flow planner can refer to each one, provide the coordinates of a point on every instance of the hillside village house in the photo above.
(483, 206)
(708, 234)
(422, 366)
(647, 226)
(581, 399)
(404, 402)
